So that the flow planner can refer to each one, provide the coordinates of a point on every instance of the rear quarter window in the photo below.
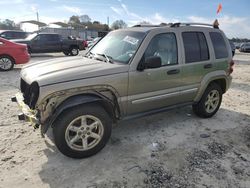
(219, 45)
(195, 46)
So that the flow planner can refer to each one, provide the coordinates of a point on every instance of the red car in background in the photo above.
(12, 53)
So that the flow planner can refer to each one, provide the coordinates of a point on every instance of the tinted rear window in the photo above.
(195, 46)
(219, 45)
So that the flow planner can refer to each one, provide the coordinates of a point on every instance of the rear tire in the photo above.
(74, 51)
(210, 101)
(6, 63)
(83, 131)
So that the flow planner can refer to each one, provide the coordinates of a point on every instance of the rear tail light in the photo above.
(231, 67)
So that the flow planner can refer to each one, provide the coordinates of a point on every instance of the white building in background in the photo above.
(28, 27)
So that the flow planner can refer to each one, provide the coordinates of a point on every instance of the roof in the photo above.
(40, 24)
(1, 31)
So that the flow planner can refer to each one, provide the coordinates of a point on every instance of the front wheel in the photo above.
(66, 53)
(6, 63)
(210, 102)
(83, 131)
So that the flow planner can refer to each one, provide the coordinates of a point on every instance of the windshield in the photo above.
(31, 36)
(120, 46)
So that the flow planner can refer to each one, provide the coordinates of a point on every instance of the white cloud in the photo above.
(231, 25)
(72, 9)
(4, 2)
(117, 10)
(33, 8)
(133, 18)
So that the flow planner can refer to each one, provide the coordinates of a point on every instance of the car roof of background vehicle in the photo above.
(1, 31)
(47, 33)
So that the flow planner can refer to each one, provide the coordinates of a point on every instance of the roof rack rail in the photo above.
(178, 24)
(150, 25)
(145, 25)
(215, 25)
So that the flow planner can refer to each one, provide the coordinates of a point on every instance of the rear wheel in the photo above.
(74, 51)
(6, 63)
(210, 101)
(83, 131)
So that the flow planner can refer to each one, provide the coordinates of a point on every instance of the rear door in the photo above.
(54, 43)
(197, 62)
(39, 44)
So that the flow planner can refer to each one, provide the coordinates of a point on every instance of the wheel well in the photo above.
(72, 46)
(106, 106)
(79, 100)
(221, 82)
(29, 48)
(6, 55)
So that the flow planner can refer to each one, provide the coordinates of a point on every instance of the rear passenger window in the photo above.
(219, 45)
(195, 46)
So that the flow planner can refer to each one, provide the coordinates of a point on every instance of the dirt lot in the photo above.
(172, 149)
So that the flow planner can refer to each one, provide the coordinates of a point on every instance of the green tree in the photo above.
(9, 25)
(74, 20)
(118, 24)
(84, 18)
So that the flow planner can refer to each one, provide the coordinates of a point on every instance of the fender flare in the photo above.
(72, 102)
(213, 76)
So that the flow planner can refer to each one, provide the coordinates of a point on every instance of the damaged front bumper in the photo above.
(27, 114)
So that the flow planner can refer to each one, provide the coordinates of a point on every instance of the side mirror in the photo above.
(152, 62)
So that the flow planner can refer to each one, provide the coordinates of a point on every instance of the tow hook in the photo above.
(13, 99)
(21, 117)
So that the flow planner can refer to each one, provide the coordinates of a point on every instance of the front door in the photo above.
(154, 88)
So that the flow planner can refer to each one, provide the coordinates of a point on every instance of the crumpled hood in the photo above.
(68, 69)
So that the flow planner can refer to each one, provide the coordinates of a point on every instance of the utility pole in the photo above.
(37, 16)
(108, 21)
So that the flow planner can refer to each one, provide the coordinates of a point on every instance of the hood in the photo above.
(23, 41)
(68, 69)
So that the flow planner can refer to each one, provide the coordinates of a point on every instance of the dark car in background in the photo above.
(232, 47)
(51, 43)
(245, 47)
(11, 54)
(13, 34)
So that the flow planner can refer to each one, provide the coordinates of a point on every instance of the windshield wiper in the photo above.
(109, 59)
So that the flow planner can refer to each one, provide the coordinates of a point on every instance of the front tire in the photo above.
(66, 53)
(6, 63)
(83, 131)
(210, 102)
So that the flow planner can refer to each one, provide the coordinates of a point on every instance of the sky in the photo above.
(234, 18)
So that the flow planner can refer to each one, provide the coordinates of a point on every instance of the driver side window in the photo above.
(165, 47)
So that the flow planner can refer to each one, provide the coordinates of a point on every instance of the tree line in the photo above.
(76, 22)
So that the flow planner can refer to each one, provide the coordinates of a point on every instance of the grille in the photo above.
(30, 93)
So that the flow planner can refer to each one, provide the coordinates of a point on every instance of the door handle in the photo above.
(208, 66)
(174, 71)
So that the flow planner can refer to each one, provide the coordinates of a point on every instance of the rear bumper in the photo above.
(22, 59)
(27, 114)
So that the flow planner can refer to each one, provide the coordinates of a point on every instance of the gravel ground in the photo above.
(171, 149)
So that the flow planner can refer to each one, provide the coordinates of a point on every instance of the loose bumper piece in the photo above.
(27, 114)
